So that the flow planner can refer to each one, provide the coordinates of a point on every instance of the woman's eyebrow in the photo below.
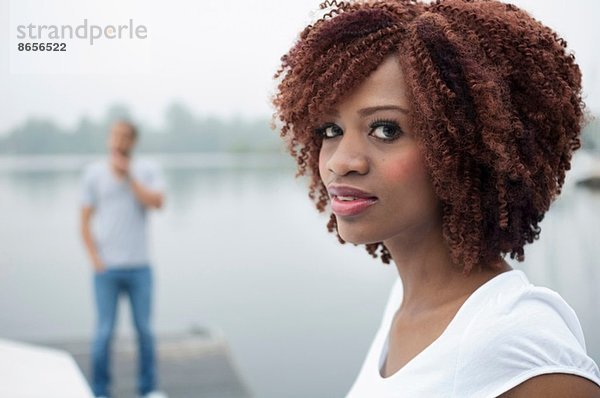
(372, 109)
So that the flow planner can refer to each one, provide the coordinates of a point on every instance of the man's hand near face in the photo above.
(120, 162)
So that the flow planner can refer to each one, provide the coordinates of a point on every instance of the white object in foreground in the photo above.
(29, 371)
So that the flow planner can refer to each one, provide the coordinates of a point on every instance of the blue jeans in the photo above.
(136, 282)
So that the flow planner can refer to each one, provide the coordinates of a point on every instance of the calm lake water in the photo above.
(240, 248)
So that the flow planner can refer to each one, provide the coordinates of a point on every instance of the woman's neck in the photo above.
(428, 275)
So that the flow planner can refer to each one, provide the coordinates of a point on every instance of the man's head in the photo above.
(122, 137)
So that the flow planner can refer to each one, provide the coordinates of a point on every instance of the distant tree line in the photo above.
(182, 131)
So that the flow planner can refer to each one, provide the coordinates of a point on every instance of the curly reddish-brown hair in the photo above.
(496, 109)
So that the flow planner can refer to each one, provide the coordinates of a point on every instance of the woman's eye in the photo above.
(330, 131)
(387, 131)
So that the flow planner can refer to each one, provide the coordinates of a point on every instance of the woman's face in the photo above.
(372, 166)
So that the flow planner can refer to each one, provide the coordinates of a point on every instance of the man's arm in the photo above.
(152, 198)
(148, 197)
(86, 233)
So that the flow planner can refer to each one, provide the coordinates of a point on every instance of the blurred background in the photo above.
(240, 253)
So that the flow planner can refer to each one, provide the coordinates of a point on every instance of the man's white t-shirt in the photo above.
(119, 222)
(506, 332)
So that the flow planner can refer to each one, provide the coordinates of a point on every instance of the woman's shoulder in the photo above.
(525, 308)
(521, 331)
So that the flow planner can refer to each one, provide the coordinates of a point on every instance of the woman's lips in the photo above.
(349, 201)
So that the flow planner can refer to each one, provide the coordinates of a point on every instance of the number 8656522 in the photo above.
(42, 47)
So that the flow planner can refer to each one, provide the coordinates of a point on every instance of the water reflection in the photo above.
(243, 249)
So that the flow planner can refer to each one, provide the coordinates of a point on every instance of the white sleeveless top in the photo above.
(506, 332)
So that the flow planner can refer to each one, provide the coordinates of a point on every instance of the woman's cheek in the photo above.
(323, 165)
(406, 167)
(326, 151)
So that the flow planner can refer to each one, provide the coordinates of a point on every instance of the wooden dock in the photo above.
(189, 366)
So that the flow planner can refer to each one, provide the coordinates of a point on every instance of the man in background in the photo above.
(116, 195)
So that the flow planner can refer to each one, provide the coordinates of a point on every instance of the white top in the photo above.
(506, 332)
(28, 371)
(119, 220)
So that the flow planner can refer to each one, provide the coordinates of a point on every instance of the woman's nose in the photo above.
(348, 156)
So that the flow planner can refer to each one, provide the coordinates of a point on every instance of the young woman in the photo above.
(439, 134)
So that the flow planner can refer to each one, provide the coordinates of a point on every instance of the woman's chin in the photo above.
(357, 237)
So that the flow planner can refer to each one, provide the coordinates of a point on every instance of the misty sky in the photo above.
(216, 56)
